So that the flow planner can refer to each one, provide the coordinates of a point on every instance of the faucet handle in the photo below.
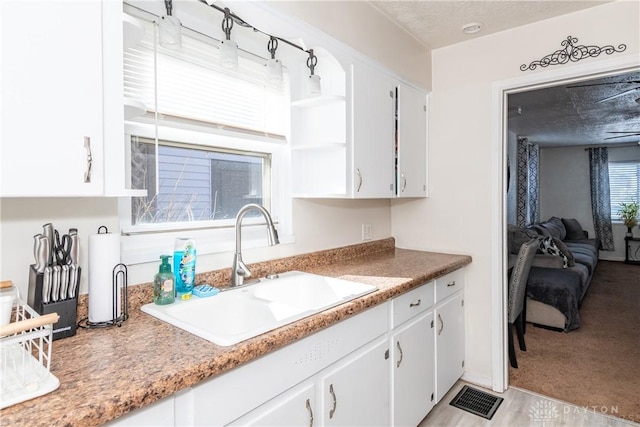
(242, 269)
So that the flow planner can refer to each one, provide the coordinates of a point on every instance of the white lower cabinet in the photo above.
(295, 407)
(412, 370)
(412, 355)
(352, 392)
(378, 367)
(355, 391)
(449, 333)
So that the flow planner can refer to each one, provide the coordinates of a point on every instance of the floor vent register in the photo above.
(477, 402)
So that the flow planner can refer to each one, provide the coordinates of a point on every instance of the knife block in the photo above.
(66, 309)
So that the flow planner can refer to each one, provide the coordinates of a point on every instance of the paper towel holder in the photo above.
(119, 281)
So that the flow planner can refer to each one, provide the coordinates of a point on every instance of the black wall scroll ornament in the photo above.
(572, 52)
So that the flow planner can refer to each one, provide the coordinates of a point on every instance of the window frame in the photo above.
(266, 189)
(145, 242)
(615, 206)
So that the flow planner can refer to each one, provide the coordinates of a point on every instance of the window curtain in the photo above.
(528, 196)
(600, 196)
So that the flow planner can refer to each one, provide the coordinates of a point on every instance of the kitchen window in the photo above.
(208, 141)
(624, 184)
(190, 183)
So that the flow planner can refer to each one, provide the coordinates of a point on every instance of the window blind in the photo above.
(191, 83)
(624, 183)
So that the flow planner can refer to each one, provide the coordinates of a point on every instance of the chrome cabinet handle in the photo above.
(87, 173)
(452, 283)
(401, 354)
(441, 324)
(335, 401)
(359, 180)
(310, 413)
(404, 182)
(415, 304)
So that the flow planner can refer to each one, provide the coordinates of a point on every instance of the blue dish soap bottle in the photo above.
(164, 290)
(184, 266)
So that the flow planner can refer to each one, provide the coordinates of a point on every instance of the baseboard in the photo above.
(610, 258)
(477, 379)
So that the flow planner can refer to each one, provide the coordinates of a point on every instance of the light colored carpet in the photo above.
(598, 365)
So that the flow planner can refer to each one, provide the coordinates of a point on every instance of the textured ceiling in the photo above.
(554, 116)
(562, 115)
(439, 23)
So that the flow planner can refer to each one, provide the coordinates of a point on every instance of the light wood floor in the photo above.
(521, 408)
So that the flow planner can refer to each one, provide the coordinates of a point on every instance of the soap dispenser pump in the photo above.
(164, 290)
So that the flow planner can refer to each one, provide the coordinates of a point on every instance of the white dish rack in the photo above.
(25, 355)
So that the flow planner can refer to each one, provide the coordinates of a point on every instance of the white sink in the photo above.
(239, 314)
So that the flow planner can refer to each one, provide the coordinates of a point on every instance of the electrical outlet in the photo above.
(367, 233)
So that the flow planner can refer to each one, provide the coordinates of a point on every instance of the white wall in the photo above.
(564, 185)
(565, 190)
(458, 216)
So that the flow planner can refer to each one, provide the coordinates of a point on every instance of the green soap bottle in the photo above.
(164, 285)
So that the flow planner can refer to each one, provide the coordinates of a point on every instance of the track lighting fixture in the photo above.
(229, 51)
(313, 83)
(170, 28)
(274, 66)
(228, 48)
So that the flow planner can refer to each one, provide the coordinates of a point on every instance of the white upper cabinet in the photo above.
(62, 128)
(373, 112)
(364, 137)
(411, 144)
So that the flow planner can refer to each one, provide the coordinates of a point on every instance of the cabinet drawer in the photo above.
(449, 284)
(407, 305)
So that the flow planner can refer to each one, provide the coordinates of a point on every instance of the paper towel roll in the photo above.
(104, 255)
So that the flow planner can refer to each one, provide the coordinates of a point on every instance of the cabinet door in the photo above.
(412, 370)
(373, 132)
(51, 97)
(292, 408)
(449, 324)
(412, 142)
(355, 391)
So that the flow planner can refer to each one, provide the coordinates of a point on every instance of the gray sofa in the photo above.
(561, 273)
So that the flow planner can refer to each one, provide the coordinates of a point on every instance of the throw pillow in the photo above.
(555, 227)
(549, 246)
(574, 229)
(562, 247)
(541, 230)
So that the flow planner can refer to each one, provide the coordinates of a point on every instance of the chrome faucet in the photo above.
(240, 271)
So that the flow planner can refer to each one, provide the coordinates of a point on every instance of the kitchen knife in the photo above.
(46, 285)
(43, 254)
(74, 252)
(38, 253)
(55, 287)
(48, 232)
(64, 282)
(73, 272)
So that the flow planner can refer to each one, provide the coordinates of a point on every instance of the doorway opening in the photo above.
(501, 91)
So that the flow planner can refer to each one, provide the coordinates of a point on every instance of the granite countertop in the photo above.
(105, 373)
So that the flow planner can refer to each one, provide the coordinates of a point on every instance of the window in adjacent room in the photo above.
(624, 182)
